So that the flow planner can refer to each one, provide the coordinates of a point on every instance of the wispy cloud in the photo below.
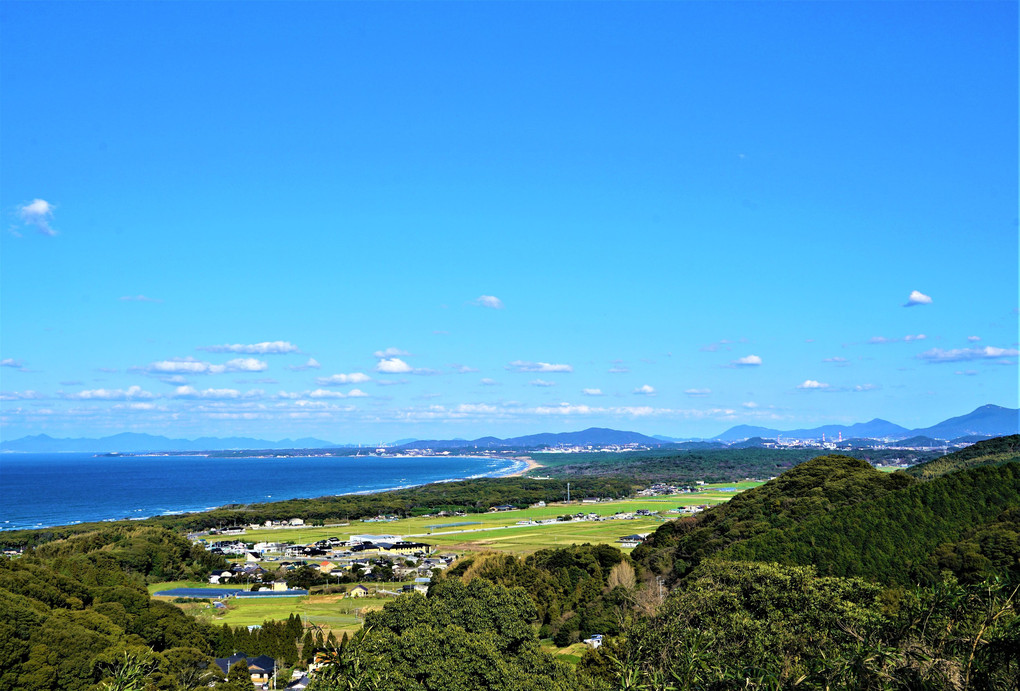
(137, 298)
(523, 366)
(28, 395)
(13, 364)
(340, 379)
(618, 369)
(750, 405)
(311, 364)
(698, 392)
(131, 393)
(488, 382)
(264, 348)
(463, 369)
(645, 390)
(390, 352)
(38, 213)
(836, 360)
(936, 355)
(747, 361)
(882, 340)
(973, 339)
(917, 298)
(325, 393)
(592, 392)
(190, 392)
(490, 301)
(812, 384)
(190, 365)
(542, 382)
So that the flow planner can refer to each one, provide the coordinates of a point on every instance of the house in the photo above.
(358, 591)
(261, 667)
(421, 585)
(299, 684)
(595, 641)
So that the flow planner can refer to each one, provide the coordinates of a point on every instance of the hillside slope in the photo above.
(967, 522)
(989, 452)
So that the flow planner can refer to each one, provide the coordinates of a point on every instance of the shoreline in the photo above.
(169, 513)
(532, 465)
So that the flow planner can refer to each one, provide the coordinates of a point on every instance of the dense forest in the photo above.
(831, 576)
(710, 465)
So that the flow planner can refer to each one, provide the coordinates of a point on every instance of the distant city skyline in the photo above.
(371, 221)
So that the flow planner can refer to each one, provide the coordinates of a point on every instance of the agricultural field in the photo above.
(331, 612)
(430, 529)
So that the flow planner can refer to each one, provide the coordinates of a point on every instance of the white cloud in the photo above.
(264, 348)
(812, 384)
(618, 369)
(463, 369)
(593, 392)
(919, 337)
(865, 387)
(545, 367)
(338, 379)
(747, 361)
(311, 364)
(192, 366)
(542, 382)
(973, 339)
(698, 392)
(879, 340)
(133, 392)
(38, 213)
(138, 298)
(490, 301)
(964, 354)
(489, 382)
(390, 352)
(645, 390)
(28, 395)
(966, 373)
(393, 365)
(750, 405)
(191, 392)
(836, 360)
(917, 298)
(324, 393)
(247, 364)
(12, 363)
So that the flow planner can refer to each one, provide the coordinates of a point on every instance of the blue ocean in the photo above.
(42, 490)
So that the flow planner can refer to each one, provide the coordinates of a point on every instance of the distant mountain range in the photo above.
(984, 422)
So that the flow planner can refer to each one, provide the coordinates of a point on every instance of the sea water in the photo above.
(43, 490)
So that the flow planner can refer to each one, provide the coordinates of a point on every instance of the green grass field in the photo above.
(426, 529)
(493, 532)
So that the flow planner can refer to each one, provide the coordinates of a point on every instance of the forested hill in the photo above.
(989, 452)
(818, 487)
(967, 522)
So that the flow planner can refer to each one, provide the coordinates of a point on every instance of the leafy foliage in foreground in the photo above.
(996, 451)
(577, 591)
(463, 636)
(766, 626)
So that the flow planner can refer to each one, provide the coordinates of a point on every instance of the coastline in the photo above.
(142, 508)
(532, 465)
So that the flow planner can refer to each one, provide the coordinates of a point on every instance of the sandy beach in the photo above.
(532, 465)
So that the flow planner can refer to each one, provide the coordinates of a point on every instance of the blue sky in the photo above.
(372, 221)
